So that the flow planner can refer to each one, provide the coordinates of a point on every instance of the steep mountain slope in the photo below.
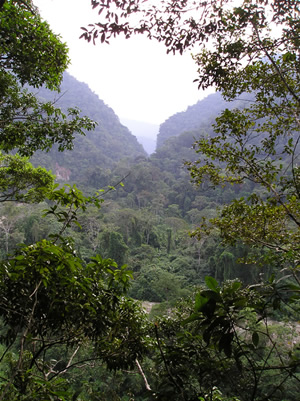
(200, 115)
(109, 143)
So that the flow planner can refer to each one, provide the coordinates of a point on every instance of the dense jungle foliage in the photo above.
(204, 232)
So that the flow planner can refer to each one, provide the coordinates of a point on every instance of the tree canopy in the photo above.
(31, 54)
(28, 47)
(248, 50)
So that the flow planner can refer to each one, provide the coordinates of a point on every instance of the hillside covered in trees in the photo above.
(103, 147)
(205, 230)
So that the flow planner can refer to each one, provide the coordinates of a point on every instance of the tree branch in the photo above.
(143, 375)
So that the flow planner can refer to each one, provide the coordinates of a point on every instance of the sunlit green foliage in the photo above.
(20, 181)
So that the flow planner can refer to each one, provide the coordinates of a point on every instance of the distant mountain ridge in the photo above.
(200, 115)
(104, 147)
(146, 133)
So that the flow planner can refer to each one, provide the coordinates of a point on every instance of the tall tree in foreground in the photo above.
(57, 312)
(30, 54)
(247, 50)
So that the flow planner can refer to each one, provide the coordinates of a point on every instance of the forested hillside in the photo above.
(201, 114)
(108, 143)
(145, 222)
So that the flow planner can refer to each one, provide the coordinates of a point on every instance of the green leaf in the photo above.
(212, 284)
(200, 301)
(236, 286)
(192, 318)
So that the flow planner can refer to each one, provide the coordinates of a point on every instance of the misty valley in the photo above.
(146, 219)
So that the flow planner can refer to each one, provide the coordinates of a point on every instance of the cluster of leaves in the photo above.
(178, 24)
(221, 338)
(29, 124)
(29, 49)
(49, 297)
(20, 181)
(53, 303)
(30, 53)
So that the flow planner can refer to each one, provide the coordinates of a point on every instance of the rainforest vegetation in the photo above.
(173, 276)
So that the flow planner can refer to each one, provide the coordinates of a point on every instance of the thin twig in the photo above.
(143, 375)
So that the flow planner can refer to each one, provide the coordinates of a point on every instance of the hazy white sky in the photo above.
(135, 77)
